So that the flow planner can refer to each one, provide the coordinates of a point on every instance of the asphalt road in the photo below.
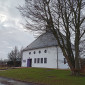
(6, 81)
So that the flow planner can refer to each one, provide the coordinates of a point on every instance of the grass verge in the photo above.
(43, 76)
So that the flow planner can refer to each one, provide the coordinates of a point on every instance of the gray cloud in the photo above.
(11, 31)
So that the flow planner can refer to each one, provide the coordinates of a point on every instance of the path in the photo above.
(6, 81)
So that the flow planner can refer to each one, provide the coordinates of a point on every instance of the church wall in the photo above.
(51, 55)
(61, 63)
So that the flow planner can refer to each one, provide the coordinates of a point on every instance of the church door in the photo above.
(29, 62)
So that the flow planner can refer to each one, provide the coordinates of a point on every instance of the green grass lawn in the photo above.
(43, 76)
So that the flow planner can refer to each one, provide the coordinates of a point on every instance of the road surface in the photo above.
(6, 81)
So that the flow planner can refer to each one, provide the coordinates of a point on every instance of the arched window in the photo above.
(34, 52)
(29, 53)
(39, 52)
(45, 51)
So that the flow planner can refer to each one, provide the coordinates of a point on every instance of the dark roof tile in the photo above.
(44, 40)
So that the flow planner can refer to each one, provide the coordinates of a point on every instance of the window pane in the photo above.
(45, 51)
(45, 60)
(34, 60)
(24, 61)
(34, 52)
(65, 61)
(38, 60)
(39, 52)
(29, 53)
(41, 60)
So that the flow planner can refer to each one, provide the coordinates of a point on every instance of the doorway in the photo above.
(29, 62)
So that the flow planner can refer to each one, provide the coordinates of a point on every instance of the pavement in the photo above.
(6, 81)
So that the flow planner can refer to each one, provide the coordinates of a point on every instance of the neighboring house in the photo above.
(44, 52)
(3, 63)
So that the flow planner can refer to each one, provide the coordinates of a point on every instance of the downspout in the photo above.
(57, 57)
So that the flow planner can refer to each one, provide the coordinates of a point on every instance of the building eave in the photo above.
(38, 48)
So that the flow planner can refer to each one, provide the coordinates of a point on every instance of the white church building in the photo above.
(44, 52)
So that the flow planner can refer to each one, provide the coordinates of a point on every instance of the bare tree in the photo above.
(58, 16)
(14, 55)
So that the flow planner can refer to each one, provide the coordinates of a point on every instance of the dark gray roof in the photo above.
(45, 40)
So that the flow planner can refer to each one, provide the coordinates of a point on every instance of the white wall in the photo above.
(61, 64)
(51, 56)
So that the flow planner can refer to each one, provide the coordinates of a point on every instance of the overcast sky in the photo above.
(11, 31)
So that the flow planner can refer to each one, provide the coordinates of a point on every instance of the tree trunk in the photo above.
(77, 59)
